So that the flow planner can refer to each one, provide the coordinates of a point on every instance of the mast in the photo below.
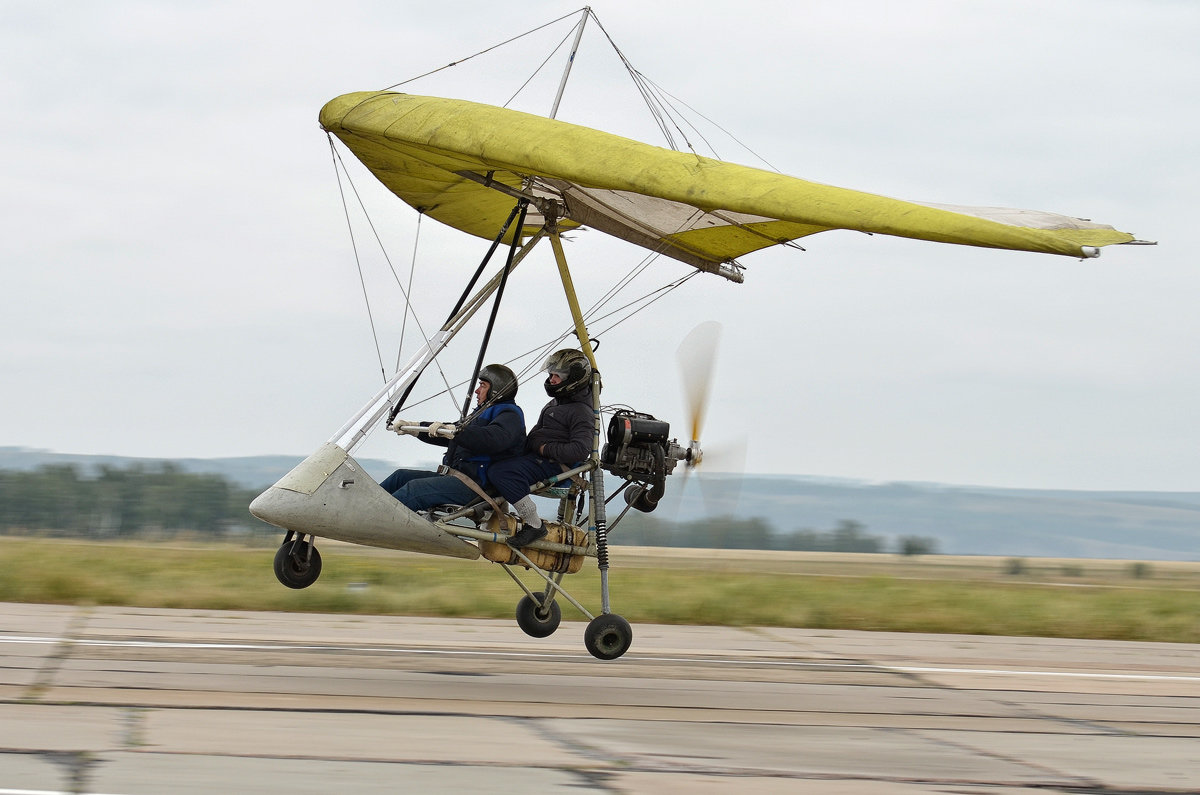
(355, 429)
(562, 84)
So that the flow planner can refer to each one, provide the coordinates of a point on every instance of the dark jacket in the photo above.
(566, 427)
(496, 433)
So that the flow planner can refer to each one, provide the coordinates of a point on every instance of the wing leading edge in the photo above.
(447, 158)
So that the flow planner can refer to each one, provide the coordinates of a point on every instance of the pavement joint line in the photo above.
(54, 660)
(133, 727)
(883, 667)
(1017, 761)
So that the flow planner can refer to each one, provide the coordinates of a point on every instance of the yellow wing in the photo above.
(461, 162)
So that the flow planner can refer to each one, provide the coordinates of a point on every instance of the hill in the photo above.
(969, 520)
(252, 472)
(964, 520)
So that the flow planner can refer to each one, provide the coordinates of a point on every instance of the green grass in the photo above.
(943, 594)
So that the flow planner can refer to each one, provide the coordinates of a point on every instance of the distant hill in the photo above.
(967, 520)
(252, 472)
(964, 520)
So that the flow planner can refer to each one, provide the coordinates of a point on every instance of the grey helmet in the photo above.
(503, 383)
(572, 367)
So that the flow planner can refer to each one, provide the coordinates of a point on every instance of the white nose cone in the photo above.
(329, 495)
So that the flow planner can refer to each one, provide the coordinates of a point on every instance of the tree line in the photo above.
(114, 502)
(729, 532)
(162, 500)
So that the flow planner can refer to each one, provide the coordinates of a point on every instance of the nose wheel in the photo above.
(297, 562)
(537, 621)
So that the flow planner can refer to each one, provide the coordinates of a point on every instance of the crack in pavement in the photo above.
(57, 656)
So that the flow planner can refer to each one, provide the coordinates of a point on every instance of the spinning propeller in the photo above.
(697, 357)
(638, 447)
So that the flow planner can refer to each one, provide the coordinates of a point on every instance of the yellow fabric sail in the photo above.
(461, 162)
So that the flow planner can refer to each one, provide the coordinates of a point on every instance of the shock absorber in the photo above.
(597, 507)
(600, 520)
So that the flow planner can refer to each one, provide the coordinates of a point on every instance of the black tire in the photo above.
(295, 567)
(535, 622)
(608, 636)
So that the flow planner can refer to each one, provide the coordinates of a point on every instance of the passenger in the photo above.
(495, 432)
(564, 435)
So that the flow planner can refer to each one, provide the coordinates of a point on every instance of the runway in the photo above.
(126, 701)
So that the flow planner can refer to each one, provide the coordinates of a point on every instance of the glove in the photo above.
(405, 427)
(446, 430)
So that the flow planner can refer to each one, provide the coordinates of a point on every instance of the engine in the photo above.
(639, 450)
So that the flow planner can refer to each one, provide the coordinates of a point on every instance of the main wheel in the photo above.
(608, 636)
(297, 565)
(536, 622)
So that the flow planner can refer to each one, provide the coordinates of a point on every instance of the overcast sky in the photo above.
(178, 280)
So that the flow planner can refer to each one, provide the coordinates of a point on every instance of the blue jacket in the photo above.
(495, 433)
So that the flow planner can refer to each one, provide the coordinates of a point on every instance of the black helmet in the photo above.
(572, 367)
(502, 380)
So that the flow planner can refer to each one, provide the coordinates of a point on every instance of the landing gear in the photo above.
(534, 619)
(608, 636)
(297, 563)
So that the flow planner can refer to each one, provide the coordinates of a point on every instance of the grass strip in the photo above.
(848, 595)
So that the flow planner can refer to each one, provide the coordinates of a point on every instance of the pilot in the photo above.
(493, 433)
(562, 438)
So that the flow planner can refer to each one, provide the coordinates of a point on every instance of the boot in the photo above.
(527, 535)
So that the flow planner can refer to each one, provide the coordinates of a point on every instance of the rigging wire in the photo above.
(540, 67)
(645, 302)
(639, 83)
(591, 317)
(518, 210)
(538, 354)
(412, 267)
(662, 110)
(357, 260)
(488, 49)
(678, 118)
(383, 249)
(662, 107)
(660, 90)
(661, 104)
(624, 281)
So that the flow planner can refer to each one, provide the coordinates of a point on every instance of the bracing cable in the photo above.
(661, 109)
(339, 171)
(671, 122)
(639, 83)
(518, 209)
(483, 51)
(412, 268)
(662, 92)
(538, 354)
(357, 260)
(540, 67)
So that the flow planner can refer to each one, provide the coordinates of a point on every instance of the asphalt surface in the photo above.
(127, 701)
